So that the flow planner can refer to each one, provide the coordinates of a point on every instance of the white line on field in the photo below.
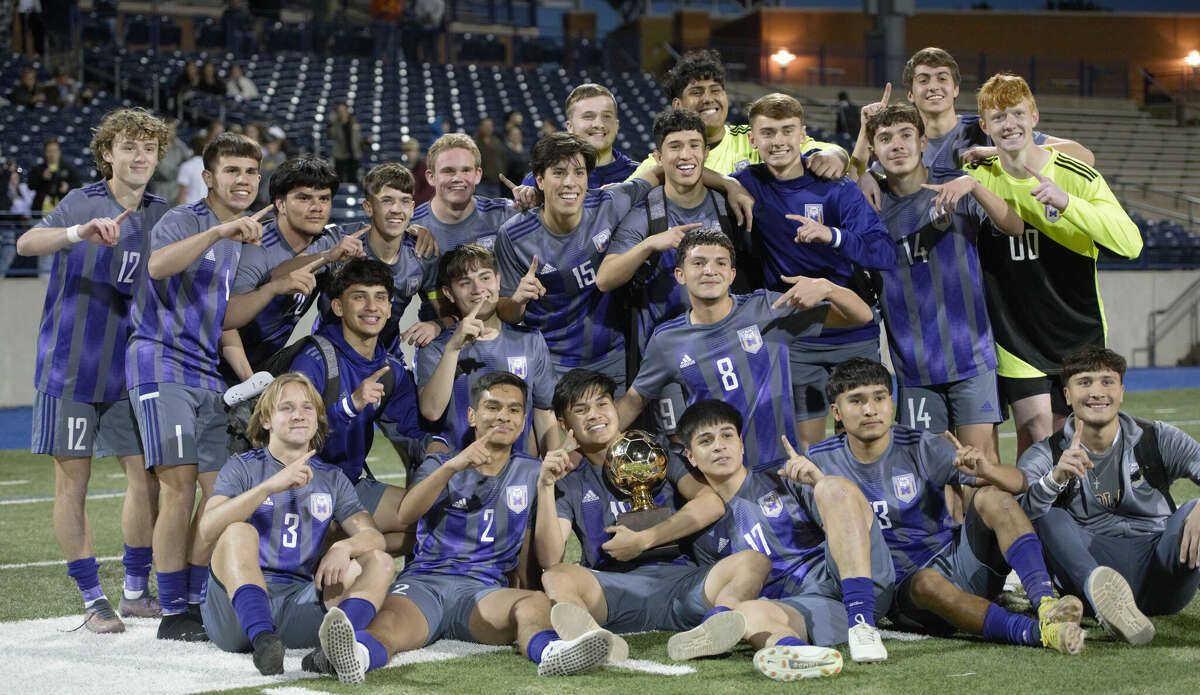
(13, 482)
(49, 563)
(50, 498)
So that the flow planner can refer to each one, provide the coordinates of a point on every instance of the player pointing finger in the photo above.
(370, 391)
(1047, 191)
(798, 467)
(530, 287)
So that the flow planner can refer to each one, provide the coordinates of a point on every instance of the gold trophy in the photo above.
(636, 465)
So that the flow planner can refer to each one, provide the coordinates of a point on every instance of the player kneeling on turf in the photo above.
(946, 574)
(829, 565)
(268, 516)
(472, 512)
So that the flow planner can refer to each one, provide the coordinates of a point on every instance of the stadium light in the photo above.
(1193, 60)
(783, 57)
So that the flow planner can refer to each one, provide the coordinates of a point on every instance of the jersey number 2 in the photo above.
(485, 536)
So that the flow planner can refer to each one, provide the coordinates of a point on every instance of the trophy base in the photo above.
(642, 520)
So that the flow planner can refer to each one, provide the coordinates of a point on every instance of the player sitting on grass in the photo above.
(267, 519)
(946, 574)
(473, 513)
(610, 587)
(830, 568)
(100, 238)
(1099, 495)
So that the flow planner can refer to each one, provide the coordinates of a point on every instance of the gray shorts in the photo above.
(972, 562)
(938, 407)
(296, 610)
(654, 597)
(369, 493)
(612, 365)
(181, 425)
(445, 600)
(819, 596)
(812, 363)
(70, 429)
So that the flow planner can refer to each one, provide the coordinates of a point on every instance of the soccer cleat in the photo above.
(1063, 637)
(790, 663)
(315, 662)
(182, 627)
(102, 619)
(341, 649)
(268, 653)
(248, 389)
(866, 646)
(1115, 607)
(145, 606)
(717, 635)
(1067, 609)
(568, 657)
(571, 621)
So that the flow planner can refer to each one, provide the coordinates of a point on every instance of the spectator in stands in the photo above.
(33, 31)
(187, 84)
(240, 86)
(548, 126)
(240, 36)
(106, 11)
(165, 182)
(275, 152)
(210, 81)
(16, 199)
(431, 16)
(849, 120)
(511, 119)
(62, 91)
(516, 161)
(190, 178)
(346, 143)
(492, 157)
(27, 92)
(411, 158)
(50, 181)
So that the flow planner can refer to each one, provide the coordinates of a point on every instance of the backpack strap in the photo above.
(332, 388)
(1056, 451)
(1149, 458)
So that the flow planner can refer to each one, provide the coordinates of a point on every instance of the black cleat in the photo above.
(315, 662)
(182, 627)
(268, 653)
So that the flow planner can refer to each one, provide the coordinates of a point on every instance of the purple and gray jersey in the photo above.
(480, 227)
(943, 154)
(580, 323)
(933, 302)
(477, 525)
(741, 359)
(291, 524)
(517, 349)
(905, 489)
(86, 318)
(269, 331)
(177, 320)
(859, 237)
(779, 519)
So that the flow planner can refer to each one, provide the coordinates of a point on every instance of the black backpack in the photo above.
(238, 416)
(1146, 453)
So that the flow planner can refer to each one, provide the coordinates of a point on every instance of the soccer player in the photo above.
(946, 573)
(815, 228)
(269, 297)
(377, 385)
(1043, 297)
(1099, 496)
(830, 569)
(269, 515)
(610, 587)
(735, 347)
(932, 299)
(480, 344)
(592, 115)
(172, 365)
(548, 257)
(697, 83)
(99, 238)
(473, 511)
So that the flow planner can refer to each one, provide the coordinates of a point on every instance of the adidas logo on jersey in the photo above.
(590, 496)
(460, 503)
(722, 544)
(211, 256)
(547, 268)
(687, 361)
(268, 502)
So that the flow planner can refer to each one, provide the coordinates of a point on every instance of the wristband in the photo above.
(1052, 484)
(837, 237)
(73, 234)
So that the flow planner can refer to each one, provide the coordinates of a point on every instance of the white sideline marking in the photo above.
(654, 667)
(48, 563)
(389, 476)
(16, 482)
(902, 636)
(292, 690)
(50, 498)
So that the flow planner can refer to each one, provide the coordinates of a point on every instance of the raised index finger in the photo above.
(313, 265)
(259, 215)
(569, 444)
(504, 180)
(887, 93)
(533, 266)
(121, 218)
(1034, 173)
(949, 436)
(791, 451)
(359, 233)
(1077, 437)
(379, 374)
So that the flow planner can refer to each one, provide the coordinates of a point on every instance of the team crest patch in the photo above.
(940, 222)
(487, 242)
(750, 339)
(321, 505)
(815, 211)
(516, 365)
(905, 487)
(601, 240)
(741, 165)
(518, 498)
(771, 504)
(1052, 213)
(413, 284)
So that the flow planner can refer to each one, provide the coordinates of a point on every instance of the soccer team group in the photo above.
(724, 295)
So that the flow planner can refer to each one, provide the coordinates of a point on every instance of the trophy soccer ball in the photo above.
(636, 465)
